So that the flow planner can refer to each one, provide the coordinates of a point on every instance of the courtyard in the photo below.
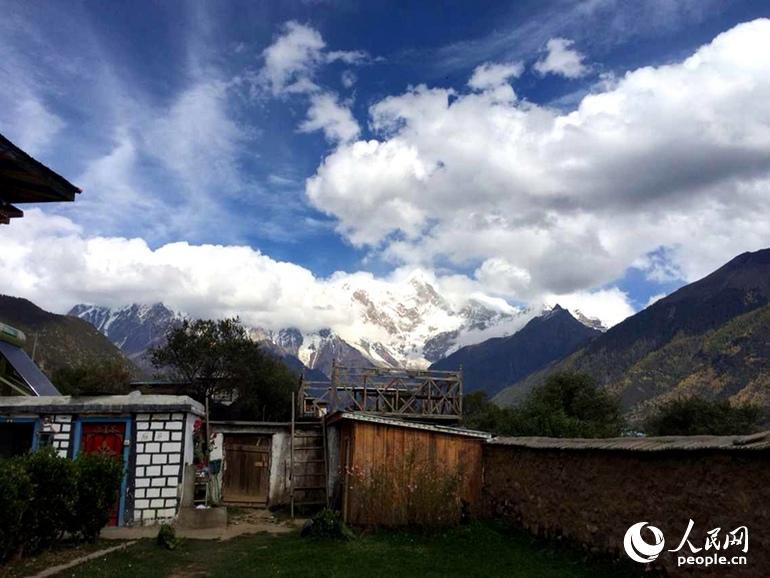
(476, 550)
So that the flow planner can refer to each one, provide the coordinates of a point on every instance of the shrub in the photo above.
(43, 495)
(327, 524)
(52, 504)
(98, 478)
(167, 537)
(15, 495)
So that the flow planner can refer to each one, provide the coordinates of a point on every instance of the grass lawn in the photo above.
(59, 554)
(480, 550)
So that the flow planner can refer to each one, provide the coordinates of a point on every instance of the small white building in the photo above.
(152, 435)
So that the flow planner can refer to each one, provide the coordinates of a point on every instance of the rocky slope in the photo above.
(62, 341)
(711, 337)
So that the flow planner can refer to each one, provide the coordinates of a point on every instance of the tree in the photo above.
(218, 357)
(698, 416)
(569, 405)
(482, 414)
(94, 377)
(566, 405)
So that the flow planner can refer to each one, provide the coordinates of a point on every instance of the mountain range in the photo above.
(408, 324)
(710, 338)
(491, 365)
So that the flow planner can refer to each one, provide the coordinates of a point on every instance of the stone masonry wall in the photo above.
(593, 496)
(158, 467)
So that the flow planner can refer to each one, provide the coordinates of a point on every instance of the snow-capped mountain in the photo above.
(410, 323)
(407, 323)
(133, 328)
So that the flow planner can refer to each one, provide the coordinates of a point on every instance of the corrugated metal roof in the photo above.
(758, 441)
(131, 403)
(393, 421)
(26, 368)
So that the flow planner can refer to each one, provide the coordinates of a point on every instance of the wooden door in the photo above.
(104, 438)
(247, 469)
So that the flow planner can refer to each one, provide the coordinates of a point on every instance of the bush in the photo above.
(15, 495)
(42, 496)
(98, 482)
(167, 537)
(54, 494)
(327, 524)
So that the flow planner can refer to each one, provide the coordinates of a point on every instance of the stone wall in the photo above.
(158, 466)
(593, 496)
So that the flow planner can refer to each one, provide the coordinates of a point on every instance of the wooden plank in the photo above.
(246, 476)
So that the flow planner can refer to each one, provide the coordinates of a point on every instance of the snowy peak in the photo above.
(406, 323)
(133, 328)
(591, 322)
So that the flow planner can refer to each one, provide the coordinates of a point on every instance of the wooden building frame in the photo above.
(397, 392)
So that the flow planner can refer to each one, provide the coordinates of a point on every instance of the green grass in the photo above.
(479, 550)
(59, 554)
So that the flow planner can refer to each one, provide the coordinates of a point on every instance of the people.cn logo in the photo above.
(638, 549)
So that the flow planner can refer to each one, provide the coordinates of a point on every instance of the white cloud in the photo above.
(348, 78)
(291, 60)
(610, 306)
(291, 63)
(335, 120)
(500, 276)
(675, 156)
(654, 299)
(33, 125)
(561, 59)
(347, 56)
(490, 75)
(51, 261)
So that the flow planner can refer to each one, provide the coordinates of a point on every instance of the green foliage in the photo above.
(218, 357)
(698, 416)
(480, 413)
(15, 495)
(570, 405)
(328, 524)
(566, 405)
(43, 495)
(167, 537)
(98, 482)
(94, 377)
(54, 494)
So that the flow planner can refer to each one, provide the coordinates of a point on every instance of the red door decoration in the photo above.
(105, 438)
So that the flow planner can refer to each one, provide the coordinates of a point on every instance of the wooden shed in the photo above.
(393, 471)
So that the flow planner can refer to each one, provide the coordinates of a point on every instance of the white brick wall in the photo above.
(157, 476)
(61, 426)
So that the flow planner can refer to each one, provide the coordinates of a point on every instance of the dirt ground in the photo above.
(240, 521)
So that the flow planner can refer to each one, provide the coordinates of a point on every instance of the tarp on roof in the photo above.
(26, 368)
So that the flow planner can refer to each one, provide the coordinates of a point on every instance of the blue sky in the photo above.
(170, 117)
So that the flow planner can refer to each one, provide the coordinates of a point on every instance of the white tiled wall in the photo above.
(158, 471)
